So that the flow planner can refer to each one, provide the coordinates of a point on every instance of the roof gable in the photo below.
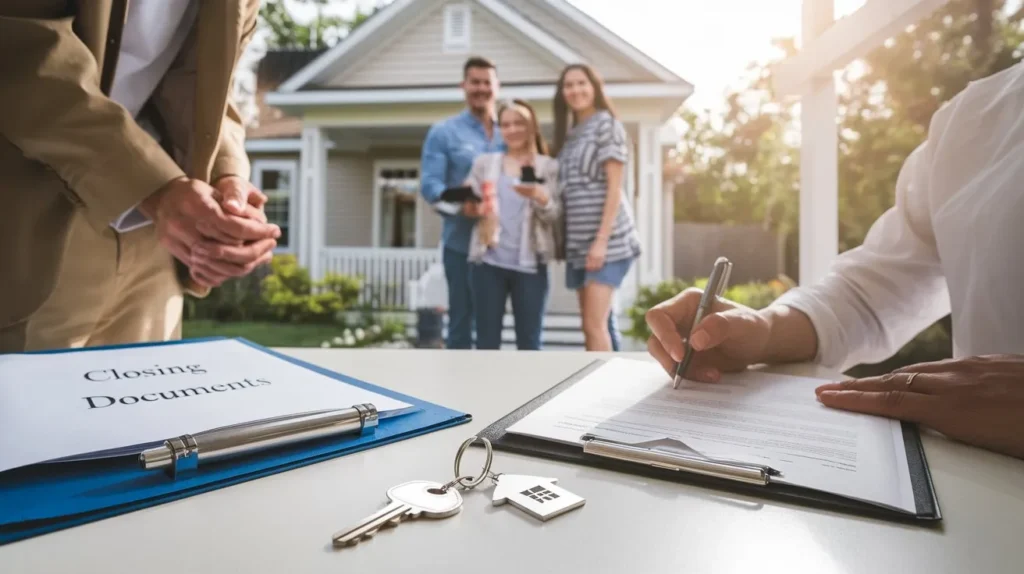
(393, 13)
(417, 56)
(557, 32)
(605, 36)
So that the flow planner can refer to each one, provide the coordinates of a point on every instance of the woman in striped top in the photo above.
(601, 241)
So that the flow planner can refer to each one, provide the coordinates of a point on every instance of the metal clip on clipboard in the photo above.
(184, 453)
(642, 453)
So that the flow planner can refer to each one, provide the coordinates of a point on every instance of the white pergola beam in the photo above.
(846, 40)
(819, 159)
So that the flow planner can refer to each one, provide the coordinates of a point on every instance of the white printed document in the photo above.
(116, 401)
(751, 417)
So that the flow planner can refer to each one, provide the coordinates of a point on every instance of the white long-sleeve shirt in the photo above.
(154, 32)
(954, 241)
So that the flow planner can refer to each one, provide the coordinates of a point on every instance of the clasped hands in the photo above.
(976, 400)
(218, 231)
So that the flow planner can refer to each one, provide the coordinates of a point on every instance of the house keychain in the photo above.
(537, 496)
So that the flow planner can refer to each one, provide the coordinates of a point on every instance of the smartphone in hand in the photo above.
(528, 175)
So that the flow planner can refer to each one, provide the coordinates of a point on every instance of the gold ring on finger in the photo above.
(910, 379)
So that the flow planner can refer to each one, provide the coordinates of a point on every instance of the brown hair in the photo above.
(477, 62)
(562, 115)
(526, 110)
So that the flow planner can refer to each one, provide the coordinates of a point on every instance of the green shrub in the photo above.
(649, 296)
(293, 296)
(287, 289)
(238, 299)
(332, 295)
(757, 295)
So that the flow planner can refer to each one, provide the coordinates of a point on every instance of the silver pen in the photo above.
(759, 474)
(717, 282)
(184, 453)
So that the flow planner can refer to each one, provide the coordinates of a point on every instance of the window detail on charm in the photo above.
(539, 493)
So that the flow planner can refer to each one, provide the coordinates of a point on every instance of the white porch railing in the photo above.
(386, 272)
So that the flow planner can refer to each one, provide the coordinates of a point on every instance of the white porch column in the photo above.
(312, 200)
(668, 232)
(625, 296)
(819, 162)
(650, 204)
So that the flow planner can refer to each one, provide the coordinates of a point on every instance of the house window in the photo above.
(396, 217)
(456, 28)
(278, 179)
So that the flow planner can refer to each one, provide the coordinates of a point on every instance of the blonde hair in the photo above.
(537, 142)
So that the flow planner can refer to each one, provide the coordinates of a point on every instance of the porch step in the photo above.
(561, 331)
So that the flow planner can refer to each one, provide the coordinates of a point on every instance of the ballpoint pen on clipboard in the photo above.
(184, 453)
(717, 282)
(642, 453)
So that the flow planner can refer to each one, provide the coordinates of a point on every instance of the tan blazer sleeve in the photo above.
(175, 101)
(54, 112)
(231, 157)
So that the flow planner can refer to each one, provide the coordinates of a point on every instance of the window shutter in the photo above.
(456, 28)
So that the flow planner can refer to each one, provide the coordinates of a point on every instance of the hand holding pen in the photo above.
(712, 292)
(697, 335)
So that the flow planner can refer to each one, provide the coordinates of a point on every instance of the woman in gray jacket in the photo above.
(515, 236)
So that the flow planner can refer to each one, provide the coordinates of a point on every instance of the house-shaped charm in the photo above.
(538, 497)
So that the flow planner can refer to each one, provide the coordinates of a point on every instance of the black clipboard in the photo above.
(459, 195)
(928, 512)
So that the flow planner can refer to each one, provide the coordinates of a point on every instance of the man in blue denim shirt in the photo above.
(448, 153)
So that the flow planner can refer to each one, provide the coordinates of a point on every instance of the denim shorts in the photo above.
(611, 274)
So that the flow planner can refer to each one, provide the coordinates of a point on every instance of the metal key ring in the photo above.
(484, 473)
(458, 481)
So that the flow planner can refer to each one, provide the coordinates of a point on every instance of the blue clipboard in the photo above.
(43, 498)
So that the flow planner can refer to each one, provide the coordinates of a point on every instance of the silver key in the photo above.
(408, 500)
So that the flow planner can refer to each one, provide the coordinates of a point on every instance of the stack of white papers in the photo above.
(751, 417)
(110, 402)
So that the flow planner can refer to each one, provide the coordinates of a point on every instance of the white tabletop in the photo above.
(283, 523)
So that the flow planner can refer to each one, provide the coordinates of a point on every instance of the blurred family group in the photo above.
(531, 205)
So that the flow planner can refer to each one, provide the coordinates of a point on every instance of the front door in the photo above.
(396, 209)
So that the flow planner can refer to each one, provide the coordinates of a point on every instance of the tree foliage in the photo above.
(741, 166)
(322, 31)
(887, 109)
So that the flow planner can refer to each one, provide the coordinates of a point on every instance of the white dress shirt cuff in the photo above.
(832, 348)
(447, 208)
(130, 220)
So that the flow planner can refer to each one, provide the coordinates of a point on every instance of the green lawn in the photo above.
(266, 334)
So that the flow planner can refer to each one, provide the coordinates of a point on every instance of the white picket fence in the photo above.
(386, 272)
(411, 279)
(404, 280)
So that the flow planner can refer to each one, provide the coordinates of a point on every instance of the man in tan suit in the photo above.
(119, 152)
